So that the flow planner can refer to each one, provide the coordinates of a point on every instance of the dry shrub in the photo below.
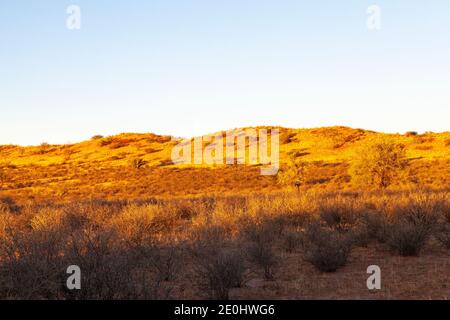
(263, 255)
(325, 248)
(8, 205)
(443, 235)
(287, 137)
(105, 142)
(34, 260)
(47, 219)
(148, 285)
(339, 213)
(92, 212)
(227, 214)
(420, 209)
(138, 163)
(443, 231)
(6, 225)
(166, 220)
(298, 219)
(445, 211)
(185, 211)
(412, 222)
(406, 238)
(168, 262)
(111, 271)
(133, 250)
(260, 251)
(220, 272)
(140, 223)
(154, 267)
(32, 264)
(292, 209)
(260, 231)
(371, 225)
(292, 240)
(135, 224)
(374, 223)
(117, 268)
(271, 226)
(209, 235)
(75, 219)
(233, 203)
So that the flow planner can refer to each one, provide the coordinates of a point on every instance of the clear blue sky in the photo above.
(188, 67)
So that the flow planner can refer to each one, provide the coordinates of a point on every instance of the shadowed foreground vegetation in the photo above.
(280, 245)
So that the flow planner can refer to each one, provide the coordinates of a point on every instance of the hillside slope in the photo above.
(103, 167)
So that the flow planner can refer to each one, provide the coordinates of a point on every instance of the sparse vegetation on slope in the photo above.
(104, 167)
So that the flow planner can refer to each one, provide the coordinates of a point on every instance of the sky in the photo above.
(192, 67)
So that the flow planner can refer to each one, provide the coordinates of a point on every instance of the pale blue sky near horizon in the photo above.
(190, 67)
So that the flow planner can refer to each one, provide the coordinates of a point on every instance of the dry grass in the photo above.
(106, 167)
(220, 247)
(141, 227)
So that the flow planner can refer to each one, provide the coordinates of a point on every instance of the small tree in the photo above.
(380, 164)
(293, 173)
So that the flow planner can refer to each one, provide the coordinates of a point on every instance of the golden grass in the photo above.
(104, 167)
